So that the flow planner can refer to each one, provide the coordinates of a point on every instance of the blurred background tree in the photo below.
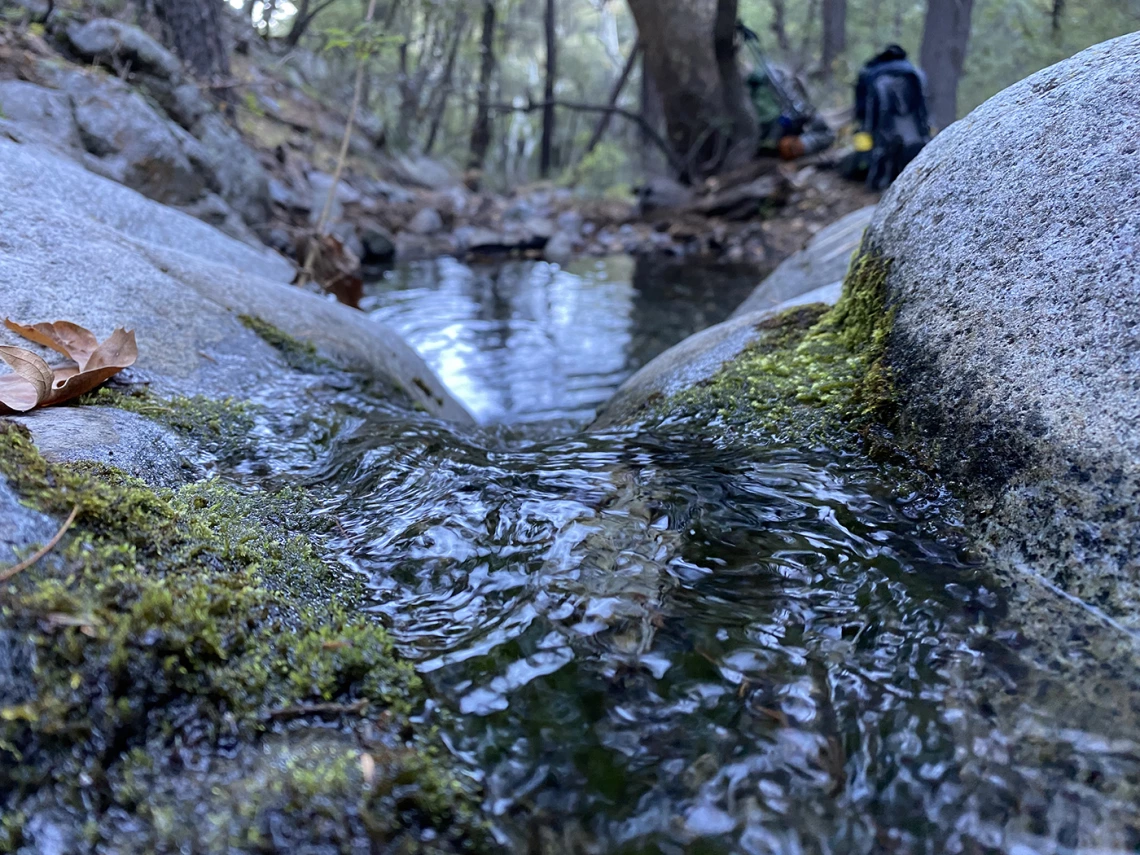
(518, 90)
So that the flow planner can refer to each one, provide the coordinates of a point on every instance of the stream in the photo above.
(665, 642)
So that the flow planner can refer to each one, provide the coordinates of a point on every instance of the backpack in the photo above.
(898, 123)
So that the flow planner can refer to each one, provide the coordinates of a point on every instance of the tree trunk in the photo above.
(615, 93)
(412, 84)
(546, 158)
(780, 26)
(302, 19)
(444, 90)
(745, 133)
(651, 114)
(834, 35)
(481, 130)
(1058, 11)
(944, 40)
(691, 57)
(194, 29)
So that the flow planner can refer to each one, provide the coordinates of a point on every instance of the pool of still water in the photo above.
(666, 642)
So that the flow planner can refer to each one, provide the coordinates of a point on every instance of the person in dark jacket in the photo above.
(890, 105)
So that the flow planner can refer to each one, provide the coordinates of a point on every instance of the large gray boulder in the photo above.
(135, 144)
(82, 248)
(171, 145)
(115, 437)
(240, 178)
(46, 113)
(118, 45)
(822, 262)
(1014, 250)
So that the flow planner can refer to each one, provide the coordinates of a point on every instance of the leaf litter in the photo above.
(34, 383)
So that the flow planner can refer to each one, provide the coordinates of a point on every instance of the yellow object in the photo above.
(863, 141)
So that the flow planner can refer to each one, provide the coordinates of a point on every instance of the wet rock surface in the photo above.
(128, 441)
(822, 262)
(85, 249)
(1015, 275)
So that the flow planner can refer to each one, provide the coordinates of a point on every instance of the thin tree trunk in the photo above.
(1058, 11)
(615, 94)
(801, 59)
(445, 83)
(652, 120)
(302, 19)
(944, 42)
(481, 129)
(195, 30)
(413, 85)
(834, 35)
(780, 26)
(390, 16)
(743, 138)
(546, 158)
(654, 138)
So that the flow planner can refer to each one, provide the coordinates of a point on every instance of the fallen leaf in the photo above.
(72, 340)
(31, 384)
(37, 384)
(334, 267)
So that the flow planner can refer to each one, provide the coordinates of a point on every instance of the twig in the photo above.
(47, 547)
(314, 245)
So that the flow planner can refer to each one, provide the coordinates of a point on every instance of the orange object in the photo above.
(791, 147)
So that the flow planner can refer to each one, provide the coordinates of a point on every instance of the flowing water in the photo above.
(657, 642)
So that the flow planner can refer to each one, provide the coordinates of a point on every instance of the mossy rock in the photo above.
(182, 644)
(808, 374)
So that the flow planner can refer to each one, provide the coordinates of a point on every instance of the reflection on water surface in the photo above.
(525, 341)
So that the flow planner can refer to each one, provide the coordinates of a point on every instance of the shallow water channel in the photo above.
(655, 642)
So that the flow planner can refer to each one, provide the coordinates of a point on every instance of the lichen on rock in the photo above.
(174, 639)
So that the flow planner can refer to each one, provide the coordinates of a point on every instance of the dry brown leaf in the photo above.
(72, 340)
(36, 384)
(334, 267)
(31, 383)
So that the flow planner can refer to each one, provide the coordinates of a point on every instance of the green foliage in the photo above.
(301, 355)
(603, 172)
(365, 40)
(252, 104)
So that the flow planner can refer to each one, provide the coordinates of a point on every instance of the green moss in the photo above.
(220, 427)
(815, 373)
(198, 622)
(300, 355)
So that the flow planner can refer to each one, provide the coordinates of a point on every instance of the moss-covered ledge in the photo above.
(195, 670)
(814, 374)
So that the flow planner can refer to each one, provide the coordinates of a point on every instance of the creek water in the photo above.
(665, 642)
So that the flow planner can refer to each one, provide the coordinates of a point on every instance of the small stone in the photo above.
(426, 222)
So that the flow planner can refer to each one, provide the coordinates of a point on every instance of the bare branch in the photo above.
(649, 131)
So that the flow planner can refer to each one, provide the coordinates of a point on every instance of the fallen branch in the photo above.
(612, 109)
(615, 94)
(47, 547)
